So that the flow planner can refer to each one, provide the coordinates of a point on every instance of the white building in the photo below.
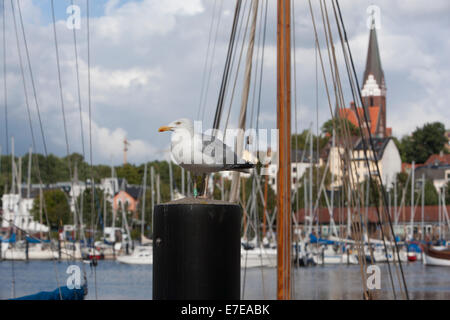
(300, 161)
(387, 156)
(16, 210)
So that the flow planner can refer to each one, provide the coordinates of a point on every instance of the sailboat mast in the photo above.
(412, 200)
(284, 221)
(29, 175)
(423, 207)
(13, 184)
(144, 193)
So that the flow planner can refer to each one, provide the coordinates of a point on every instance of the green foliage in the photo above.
(92, 213)
(317, 176)
(431, 195)
(424, 142)
(341, 126)
(58, 210)
(299, 142)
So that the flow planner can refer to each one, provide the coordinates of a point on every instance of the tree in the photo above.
(317, 175)
(340, 125)
(298, 141)
(57, 207)
(84, 203)
(424, 142)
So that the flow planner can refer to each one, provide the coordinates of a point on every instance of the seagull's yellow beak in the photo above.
(164, 128)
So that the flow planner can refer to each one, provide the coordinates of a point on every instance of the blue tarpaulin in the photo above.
(414, 247)
(33, 240)
(11, 239)
(313, 239)
(62, 293)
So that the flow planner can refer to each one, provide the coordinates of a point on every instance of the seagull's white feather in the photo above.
(201, 153)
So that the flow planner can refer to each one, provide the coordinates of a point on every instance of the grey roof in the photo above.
(133, 191)
(379, 145)
(373, 63)
(432, 172)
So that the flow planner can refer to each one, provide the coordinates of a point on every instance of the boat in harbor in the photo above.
(434, 257)
(140, 255)
(258, 257)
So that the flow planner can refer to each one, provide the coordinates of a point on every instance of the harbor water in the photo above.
(113, 280)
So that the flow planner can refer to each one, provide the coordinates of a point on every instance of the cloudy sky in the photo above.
(147, 68)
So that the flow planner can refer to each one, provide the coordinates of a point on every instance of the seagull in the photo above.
(200, 153)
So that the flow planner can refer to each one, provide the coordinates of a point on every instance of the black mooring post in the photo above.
(196, 250)
(59, 249)
(26, 249)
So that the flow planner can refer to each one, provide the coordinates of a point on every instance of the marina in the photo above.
(292, 177)
(126, 282)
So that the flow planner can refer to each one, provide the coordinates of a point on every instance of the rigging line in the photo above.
(295, 196)
(78, 85)
(237, 68)
(206, 59)
(377, 213)
(340, 95)
(32, 77)
(211, 62)
(5, 97)
(233, 61)
(29, 116)
(261, 74)
(255, 72)
(223, 86)
(373, 150)
(90, 127)
(61, 89)
(336, 79)
(346, 158)
(60, 81)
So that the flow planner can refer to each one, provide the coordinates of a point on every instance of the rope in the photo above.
(5, 92)
(383, 190)
(223, 86)
(78, 86)
(207, 59)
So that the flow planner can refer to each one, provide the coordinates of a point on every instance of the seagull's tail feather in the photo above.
(240, 167)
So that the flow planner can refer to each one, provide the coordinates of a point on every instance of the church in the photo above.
(386, 153)
(373, 93)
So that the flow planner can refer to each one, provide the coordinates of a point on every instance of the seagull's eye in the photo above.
(178, 122)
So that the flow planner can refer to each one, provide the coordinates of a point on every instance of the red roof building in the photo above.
(373, 94)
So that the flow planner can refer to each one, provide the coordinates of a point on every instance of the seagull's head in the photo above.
(178, 125)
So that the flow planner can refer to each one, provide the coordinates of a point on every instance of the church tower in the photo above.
(374, 88)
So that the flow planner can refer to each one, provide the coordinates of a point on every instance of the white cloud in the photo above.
(147, 62)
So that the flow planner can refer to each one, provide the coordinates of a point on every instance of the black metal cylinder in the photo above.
(196, 250)
(26, 250)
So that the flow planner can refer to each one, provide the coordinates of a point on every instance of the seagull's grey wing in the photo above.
(227, 158)
(218, 150)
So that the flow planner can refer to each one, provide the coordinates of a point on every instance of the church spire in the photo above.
(373, 63)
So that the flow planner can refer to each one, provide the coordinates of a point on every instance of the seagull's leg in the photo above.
(194, 176)
(205, 191)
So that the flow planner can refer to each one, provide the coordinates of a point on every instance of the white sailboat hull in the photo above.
(431, 261)
(141, 255)
(258, 258)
